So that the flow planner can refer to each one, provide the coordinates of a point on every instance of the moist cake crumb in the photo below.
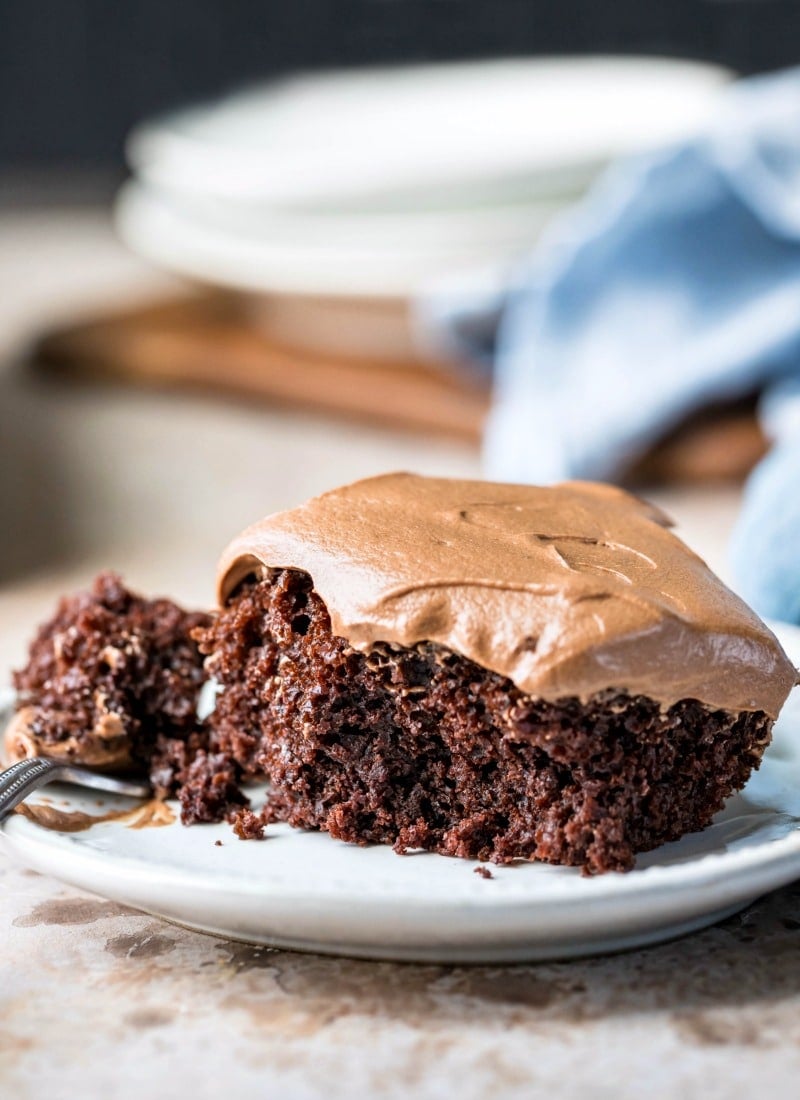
(210, 790)
(247, 825)
(484, 872)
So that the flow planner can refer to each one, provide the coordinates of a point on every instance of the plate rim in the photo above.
(167, 141)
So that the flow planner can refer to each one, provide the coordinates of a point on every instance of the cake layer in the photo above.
(567, 591)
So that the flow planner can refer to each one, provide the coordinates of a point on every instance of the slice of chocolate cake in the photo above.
(489, 671)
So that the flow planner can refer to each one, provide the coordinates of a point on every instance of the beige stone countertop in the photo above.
(97, 1001)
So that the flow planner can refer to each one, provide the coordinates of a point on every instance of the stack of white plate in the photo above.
(368, 183)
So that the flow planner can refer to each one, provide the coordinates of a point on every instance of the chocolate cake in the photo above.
(112, 682)
(489, 671)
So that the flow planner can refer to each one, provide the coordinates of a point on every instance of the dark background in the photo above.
(75, 74)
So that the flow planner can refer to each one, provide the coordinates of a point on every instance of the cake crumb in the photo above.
(247, 825)
(484, 872)
(217, 843)
(210, 790)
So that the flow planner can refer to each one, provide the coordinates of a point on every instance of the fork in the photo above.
(26, 776)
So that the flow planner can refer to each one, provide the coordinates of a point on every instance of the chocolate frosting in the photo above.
(567, 590)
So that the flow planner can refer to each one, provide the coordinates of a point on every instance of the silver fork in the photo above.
(26, 776)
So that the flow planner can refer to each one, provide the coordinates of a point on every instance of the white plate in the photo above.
(370, 183)
(351, 135)
(380, 257)
(306, 891)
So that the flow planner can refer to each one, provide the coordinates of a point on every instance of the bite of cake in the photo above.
(112, 682)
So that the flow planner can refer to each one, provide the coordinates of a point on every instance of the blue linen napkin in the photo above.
(674, 284)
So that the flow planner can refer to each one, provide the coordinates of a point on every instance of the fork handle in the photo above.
(24, 777)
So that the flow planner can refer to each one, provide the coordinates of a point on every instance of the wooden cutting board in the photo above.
(211, 341)
(208, 341)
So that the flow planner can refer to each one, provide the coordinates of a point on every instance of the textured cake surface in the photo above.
(566, 591)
